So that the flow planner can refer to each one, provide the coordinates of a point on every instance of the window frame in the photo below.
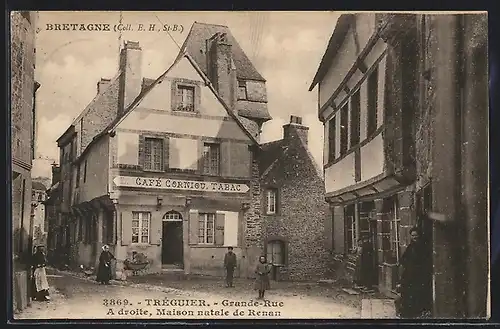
(281, 246)
(242, 86)
(332, 138)
(344, 129)
(274, 193)
(140, 227)
(355, 119)
(372, 101)
(207, 157)
(203, 240)
(180, 106)
(151, 155)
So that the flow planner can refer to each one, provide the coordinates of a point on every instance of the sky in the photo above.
(285, 47)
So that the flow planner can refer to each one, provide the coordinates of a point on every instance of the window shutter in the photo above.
(193, 226)
(339, 226)
(225, 157)
(219, 229)
(126, 217)
(155, 227)
(200, 156)
(142, 149)
(240, 160)
(173, 96)
(166, 154)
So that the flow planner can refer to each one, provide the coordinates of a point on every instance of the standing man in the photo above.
(229, 265)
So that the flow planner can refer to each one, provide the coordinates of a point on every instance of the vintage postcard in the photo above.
(249, 165)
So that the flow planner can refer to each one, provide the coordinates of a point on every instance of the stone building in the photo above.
(167, 167)
(296, 228)
(51, 214)
(406, 145)
(22, 113)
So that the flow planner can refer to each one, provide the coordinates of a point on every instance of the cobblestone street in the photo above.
(81, 298)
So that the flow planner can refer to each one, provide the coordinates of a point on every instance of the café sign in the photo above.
(179, 184)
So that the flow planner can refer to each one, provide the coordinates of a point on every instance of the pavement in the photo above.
(75, 296)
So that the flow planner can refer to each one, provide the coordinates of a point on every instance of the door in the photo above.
(172, 243)
(374, 247)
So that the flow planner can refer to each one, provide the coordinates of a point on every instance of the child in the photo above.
(262, 281)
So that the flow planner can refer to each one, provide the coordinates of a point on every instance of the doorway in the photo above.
(172, 252)
(368, 230)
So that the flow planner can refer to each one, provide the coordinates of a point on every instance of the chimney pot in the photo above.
(132, 45)
(295, 129)
(102, 84)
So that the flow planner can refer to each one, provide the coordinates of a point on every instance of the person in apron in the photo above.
(262, 280)
(40, 283)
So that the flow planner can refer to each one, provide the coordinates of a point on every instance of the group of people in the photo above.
(262, 271)
(412, 285)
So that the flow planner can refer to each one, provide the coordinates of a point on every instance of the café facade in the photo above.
(170, 178)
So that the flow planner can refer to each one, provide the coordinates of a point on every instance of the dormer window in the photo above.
(185, 95)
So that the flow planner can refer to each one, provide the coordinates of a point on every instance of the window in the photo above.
(185, 96)
(140, 226)
(344, 120)
(211, 159)
(395, 225)
(332, 125)
(153, 154)
(372, 102)
(40, 197)
(85, 172)
(242, 90)
(271, 201)
(275, 252)
(206, 226)
(78, 169)
(355, 114)
(350, 229)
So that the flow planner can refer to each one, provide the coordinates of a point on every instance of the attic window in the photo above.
(185, 96)
(242, 89)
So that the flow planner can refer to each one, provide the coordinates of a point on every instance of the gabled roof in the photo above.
(195, 45)
(338, 36)
(147, 88)
(272, 152)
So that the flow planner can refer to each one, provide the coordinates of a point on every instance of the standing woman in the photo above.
(104, 269)
(41, 285)
(262, 281)
(412, 284)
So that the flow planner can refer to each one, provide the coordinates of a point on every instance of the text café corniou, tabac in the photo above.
(176, 184)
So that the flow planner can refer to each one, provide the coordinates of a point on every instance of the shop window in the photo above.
(271, 201)
(206, 227)
(275, 252)
(153, 154)
(211, 159)
(140, 226)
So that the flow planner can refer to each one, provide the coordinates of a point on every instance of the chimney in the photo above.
(295, 129)
(220, 67)
(131, 77)
(102, 84)
(56, 173)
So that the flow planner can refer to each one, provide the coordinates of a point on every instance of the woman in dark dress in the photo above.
(412, 285)
(262, 280)
(40, 283)
(104, 269)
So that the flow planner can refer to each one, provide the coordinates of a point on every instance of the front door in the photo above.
(172, 246)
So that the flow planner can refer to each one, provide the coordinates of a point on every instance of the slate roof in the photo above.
(270, 152)
(195, 45)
